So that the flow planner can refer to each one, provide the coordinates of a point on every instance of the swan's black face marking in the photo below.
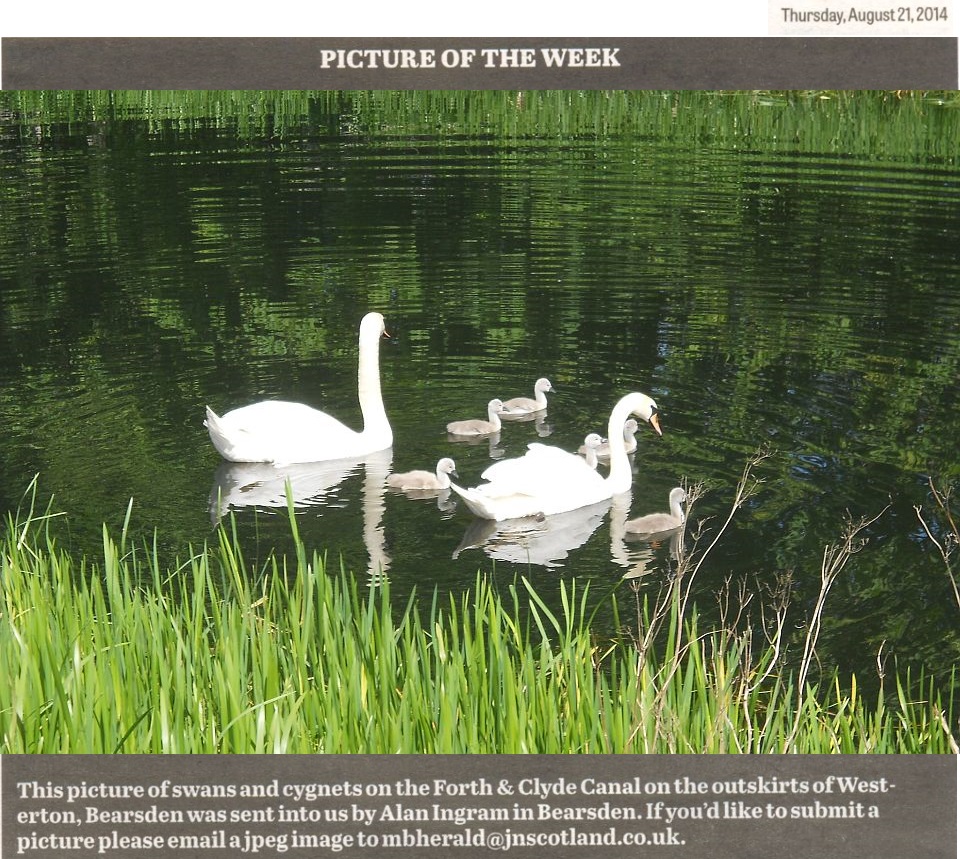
(654, 420)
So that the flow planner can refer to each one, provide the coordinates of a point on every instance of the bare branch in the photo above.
(835, 557)
(949, 543)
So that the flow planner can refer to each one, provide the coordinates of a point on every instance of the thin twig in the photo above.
(835, 558)
(949, 544)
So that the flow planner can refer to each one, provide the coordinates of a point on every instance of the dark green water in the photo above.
(796, 285)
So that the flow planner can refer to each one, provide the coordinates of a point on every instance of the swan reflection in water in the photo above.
(543, 541)
(312, 484)
(547, 541)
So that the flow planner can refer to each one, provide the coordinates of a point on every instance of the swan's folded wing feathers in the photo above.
(531, 465)
(543, 470)
(484, 502)
(284, 417)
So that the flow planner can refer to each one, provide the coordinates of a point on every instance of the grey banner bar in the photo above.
(472, 63)
(551, 806)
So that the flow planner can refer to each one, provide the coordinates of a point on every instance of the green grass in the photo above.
(119, 655)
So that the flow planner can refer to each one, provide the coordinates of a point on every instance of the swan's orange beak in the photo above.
(655, 423)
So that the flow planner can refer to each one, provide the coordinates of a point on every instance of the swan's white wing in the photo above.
(545, 480)
(507, 506)
(543, 470)
(276, 417)
(278, 431)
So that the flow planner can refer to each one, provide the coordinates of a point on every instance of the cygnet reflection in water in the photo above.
(538, 419)
(495, 449)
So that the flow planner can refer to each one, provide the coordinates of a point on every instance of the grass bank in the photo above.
(117, 654)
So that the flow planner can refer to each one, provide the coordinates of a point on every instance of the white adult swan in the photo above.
(282, 432)
(548, 480)
(478, 426)
(658, 523)
(418, 479)
(527, 405)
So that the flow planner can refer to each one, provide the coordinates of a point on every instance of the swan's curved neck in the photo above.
(620, 478)
(368, 386)
(676, 508)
